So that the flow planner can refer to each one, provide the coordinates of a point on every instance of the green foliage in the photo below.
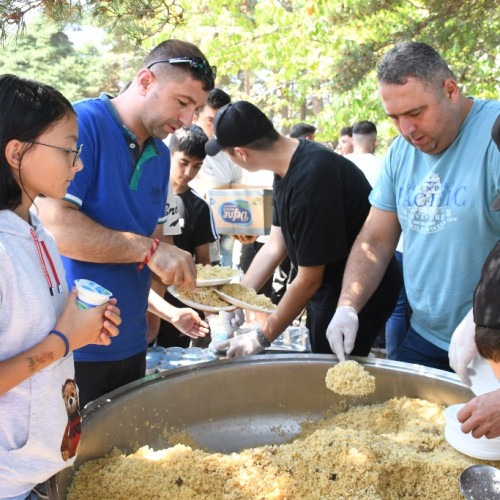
(44, 52)
(136, 19)
(316, 60)
(299, 60)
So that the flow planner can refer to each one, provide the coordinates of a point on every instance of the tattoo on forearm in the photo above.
(41, 360)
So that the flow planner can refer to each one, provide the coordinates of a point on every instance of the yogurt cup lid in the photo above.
(482, 448)
(92, 286)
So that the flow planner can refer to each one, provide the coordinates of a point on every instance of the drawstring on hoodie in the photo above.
(44, 267)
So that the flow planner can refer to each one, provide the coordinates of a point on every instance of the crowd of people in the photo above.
(364, 244)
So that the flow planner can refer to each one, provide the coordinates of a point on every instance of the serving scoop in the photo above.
(480, 482)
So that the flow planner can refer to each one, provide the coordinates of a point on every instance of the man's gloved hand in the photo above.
(463, 347)
(242, 345)
(341, 332)
(233, 319)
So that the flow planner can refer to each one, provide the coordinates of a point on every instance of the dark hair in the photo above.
(488, 342)
(178, 48)
(364, 128)
(413, 59)
(346, 131)
(218, 98)
(215, 100)
(301, 130)
(27, 109)
(190, 141)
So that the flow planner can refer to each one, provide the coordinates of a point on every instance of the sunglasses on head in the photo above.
(197, 63)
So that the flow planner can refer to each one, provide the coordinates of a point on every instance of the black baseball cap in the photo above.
(237, 124)
(486, 301)
(495, 135)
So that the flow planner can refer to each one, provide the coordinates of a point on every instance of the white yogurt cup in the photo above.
(90, 294)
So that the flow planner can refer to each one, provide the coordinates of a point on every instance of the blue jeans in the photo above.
(397, 325)
(416, 349)
(226, 250)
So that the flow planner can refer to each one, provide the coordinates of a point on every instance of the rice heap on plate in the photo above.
(349, 378)
(385, 451)
(215, 272)
(247, 295)
(202, 295)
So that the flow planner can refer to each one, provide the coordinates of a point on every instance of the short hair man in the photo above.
(302, 131)
(364, 139)
(187, 149)
(320, 203)
(111, 219)
(438, 180)
(204, 116)
(345, 145)
(216, 171)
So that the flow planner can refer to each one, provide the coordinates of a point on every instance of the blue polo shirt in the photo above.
(122, 190)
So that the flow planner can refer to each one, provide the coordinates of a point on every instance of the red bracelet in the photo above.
(150, 253)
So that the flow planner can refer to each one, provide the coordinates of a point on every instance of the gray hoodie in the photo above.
(33, 416)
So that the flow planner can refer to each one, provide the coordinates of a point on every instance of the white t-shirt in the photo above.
(368, 163)
(216, 171)
(172, 225)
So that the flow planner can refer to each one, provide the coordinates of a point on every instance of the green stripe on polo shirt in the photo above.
(148, 152)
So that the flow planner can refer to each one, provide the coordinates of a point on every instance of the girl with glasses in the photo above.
(40, 322)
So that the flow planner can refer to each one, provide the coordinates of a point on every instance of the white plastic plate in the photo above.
(243, 305)
(196, 305)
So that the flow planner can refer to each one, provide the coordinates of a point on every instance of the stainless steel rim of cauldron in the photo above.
(298, 374)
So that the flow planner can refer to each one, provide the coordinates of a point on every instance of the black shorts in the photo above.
(94, 379)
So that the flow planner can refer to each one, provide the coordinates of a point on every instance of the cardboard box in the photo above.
(242, 209)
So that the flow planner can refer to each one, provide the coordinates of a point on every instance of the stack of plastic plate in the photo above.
(483, 380)
(482, 448)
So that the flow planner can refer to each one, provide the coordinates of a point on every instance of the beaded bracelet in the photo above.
(64, 338)
(150, 253)
(262, 340)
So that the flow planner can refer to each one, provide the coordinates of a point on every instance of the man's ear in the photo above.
(241, 153)
(451, 90)
(13, 153)
(144, 80)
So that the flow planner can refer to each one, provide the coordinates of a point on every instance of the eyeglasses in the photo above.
(197, 63)
(77, 152)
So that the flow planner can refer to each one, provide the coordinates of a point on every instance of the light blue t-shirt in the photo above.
(443, 204)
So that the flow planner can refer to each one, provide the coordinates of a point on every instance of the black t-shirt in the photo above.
(197, 222)
(320, 204)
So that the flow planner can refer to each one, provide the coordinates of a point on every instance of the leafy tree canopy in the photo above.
(47, 54)
(302, 60)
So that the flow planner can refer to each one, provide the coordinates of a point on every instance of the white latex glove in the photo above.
(233, 319)
(342, 330)
(242, 345)
(463, 348)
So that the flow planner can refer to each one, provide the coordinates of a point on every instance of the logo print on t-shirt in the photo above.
(73, 431)
(431, 206)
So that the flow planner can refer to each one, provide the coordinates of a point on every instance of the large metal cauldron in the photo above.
(227, 405)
